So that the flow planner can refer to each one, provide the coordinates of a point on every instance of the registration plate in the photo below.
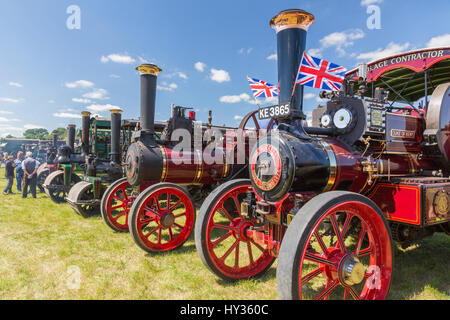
(278, 111)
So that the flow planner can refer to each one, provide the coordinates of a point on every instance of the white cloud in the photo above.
(167, 87)
(317, 53)
(391, 49)
(245, 50)
(6, 129)
(3, 119)
(237, 117)
(439, 41)
(341, 40)
(79, 84)
(117, 58)
(67, 115)
(33, 126)
(5, 112)
(143, 60)
(114, 76)
(97, 94)
(244, 97)
(10, 100)
(79, 100)
(219, 76)
(15, 84)
(101, 107)
(51, 101)
(235, 98)
(200, 66)
(309, 96)
(181, 75)
(272, 57)
(369, 2)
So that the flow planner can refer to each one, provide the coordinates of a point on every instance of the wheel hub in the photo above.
(351, 271)
(167, 219)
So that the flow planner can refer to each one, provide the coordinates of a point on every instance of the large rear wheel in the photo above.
(338, 246)
(221, 238)
(162, 217)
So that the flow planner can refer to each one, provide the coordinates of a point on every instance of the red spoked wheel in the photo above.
(116, 203)
(162, 218)
(221, 238)
(338, 246)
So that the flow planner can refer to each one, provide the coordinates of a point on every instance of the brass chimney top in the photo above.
(149, 69)
(292, 18)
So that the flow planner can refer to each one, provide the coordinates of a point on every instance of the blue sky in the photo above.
(49, 73)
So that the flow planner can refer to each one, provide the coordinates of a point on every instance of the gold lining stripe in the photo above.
(333, 166)
(164, 157)
(199, 173)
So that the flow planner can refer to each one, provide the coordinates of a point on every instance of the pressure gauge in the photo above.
(342, 118)
(325, 121)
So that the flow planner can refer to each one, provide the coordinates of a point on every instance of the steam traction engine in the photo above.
(328, 201)
(156, 200)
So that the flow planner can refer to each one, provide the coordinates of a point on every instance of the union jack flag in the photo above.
(321, 74)
(262, 89)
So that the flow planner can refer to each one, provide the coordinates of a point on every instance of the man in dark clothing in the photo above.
(9, 174)
(29, 167)
(19, 171)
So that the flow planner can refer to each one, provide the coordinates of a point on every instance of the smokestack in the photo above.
(149, 73)
(85, 124)
(55, 139)
(116, 119)
(71, 136)
(291, 27)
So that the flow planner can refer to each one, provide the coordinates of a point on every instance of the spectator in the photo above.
(29, 167)
(1, 159)
(9, 174)
(19, 171)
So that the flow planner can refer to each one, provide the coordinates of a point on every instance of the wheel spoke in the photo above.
(257, 245)
(168, 201)
(226, 254)
(256, 122)
(362, 234)
(250, 253)
(328, 289)
(119, 215)
(117, 207)
(175, 205)
(124, 193)
(317, 259)
(348, 219)
(118, 199)
(221, 239)
(311, 276)
(238, 207)
(151, 232)
(170, 234)
(179, 226)
(321, 243)
(221, 226)
(354, 294)
(151, 211)
(225, 213)
(236, 257)
(179, 215)
(337, 232)
(364, 252)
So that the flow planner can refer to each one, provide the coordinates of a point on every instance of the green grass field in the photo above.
(45, 248)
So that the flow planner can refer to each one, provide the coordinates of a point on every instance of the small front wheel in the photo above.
(221, 235)
(161, 218)
(115, 205)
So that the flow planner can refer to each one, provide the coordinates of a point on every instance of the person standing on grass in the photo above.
(1, 159)
(19, 171)
(9, 174)
(29, 167)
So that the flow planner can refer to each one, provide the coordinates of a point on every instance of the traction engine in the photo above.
(156, 201)
(50, 164)
(328, 201)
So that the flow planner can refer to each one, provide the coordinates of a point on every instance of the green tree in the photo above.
(62, 134)
(39, 133)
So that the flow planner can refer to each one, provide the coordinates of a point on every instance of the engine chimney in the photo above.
(85, 124)
(291, 27)
(116, 119)
(55, 139)
(149, 73)
(71, 136)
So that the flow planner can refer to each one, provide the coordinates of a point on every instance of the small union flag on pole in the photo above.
(262, 89)
(320, 74)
